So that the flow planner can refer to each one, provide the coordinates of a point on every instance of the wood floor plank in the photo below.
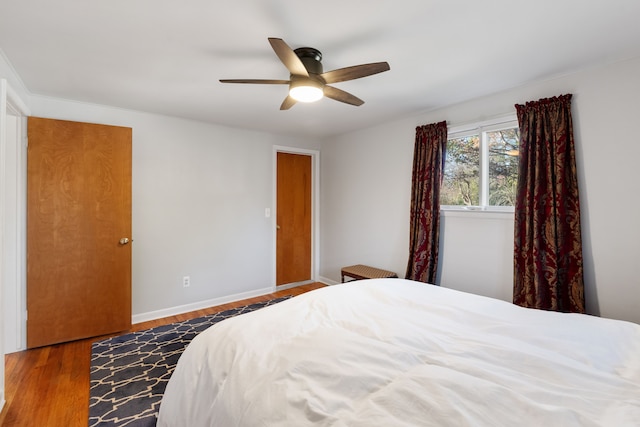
(49, 386)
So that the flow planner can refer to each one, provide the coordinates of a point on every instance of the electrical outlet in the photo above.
(186, 281)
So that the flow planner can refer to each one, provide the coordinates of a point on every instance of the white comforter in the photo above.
(391, 352)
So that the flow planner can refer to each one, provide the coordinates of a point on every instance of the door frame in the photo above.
(315, 211)
(14, 321)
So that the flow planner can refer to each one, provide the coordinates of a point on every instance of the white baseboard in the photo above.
(172, 311)
(327, 281)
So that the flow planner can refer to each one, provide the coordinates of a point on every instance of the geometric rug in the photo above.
(130, 372)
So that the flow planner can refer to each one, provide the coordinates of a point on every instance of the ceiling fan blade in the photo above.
(256, 81)
(287, 103)
(354, 72)
(342, 96)
(288, 57)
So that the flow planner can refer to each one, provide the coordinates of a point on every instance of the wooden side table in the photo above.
(359, 272)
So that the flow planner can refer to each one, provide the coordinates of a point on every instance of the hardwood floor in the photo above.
(49, 386)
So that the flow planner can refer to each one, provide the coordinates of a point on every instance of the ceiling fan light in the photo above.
(308, 91)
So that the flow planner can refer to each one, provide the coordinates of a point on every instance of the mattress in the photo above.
(393, 352)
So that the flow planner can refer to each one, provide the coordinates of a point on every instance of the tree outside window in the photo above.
(481, 168)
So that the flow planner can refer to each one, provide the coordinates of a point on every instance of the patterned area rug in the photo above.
(129, 373)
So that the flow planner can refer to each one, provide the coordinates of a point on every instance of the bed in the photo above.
(393, 352)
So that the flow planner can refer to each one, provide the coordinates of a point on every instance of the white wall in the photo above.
(199, 193)
(366, 183)
(365, 201)
(199, 198)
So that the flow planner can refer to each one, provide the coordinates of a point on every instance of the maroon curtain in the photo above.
(428, 165)
(548, 243)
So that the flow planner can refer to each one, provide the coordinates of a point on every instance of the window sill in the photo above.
(477, 212)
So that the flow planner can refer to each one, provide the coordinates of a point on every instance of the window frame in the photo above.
(480, 128)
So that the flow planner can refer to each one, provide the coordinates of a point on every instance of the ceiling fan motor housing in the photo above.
(310, 58)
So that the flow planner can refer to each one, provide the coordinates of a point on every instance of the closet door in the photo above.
(293, 241)
(78, 230)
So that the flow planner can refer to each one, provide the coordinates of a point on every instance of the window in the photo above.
(481, 169)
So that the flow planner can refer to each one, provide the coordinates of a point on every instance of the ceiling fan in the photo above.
(307, 82)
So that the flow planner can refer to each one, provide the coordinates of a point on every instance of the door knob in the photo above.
(277, 227)
(124, 240)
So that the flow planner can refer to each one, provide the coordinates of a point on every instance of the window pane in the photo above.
(461, 181)
(503, 166)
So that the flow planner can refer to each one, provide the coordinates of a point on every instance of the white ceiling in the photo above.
(166, 56)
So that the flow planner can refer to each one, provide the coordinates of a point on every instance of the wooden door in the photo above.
(78, 210)
(293, 241)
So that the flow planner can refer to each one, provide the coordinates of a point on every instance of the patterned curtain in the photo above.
(428, 165)
(548, 243)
